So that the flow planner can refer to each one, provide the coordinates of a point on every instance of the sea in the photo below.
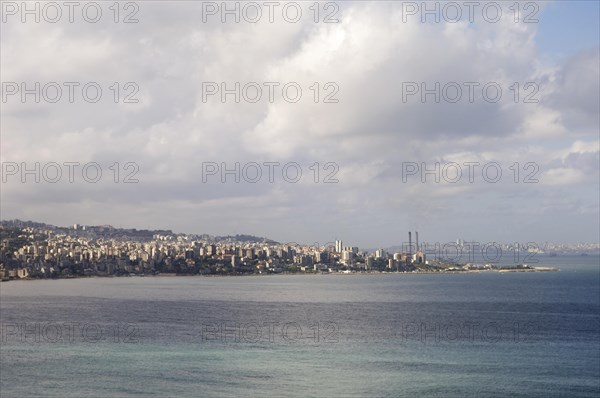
(488, 334)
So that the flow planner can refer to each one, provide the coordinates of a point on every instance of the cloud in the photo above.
(364, 63)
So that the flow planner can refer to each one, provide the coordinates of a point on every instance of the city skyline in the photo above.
(31, 250)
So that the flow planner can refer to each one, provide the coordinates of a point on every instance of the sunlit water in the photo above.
(486, 334)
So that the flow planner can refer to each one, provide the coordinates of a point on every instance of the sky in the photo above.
(162, 130)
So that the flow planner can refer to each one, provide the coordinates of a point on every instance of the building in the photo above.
(339, 247)
(419, 257)
(347, 257)
(380, 254)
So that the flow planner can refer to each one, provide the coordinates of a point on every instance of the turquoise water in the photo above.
(487, 335)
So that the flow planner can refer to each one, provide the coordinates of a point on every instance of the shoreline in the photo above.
(359, 273)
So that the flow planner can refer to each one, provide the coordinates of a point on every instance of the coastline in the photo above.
(354, 273)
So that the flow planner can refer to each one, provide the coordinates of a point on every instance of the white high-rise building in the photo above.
(339, 246)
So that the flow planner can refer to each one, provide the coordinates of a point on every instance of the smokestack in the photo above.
(409, 243)
(417, 238)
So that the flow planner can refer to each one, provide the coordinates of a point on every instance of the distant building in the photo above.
(322, 257)
(347, 257)
(380, 254)
(22, 273)
(419, 257)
